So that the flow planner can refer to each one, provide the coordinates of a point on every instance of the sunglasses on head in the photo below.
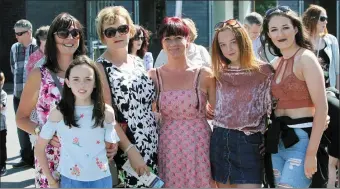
(64, 33)
(277, 9)
(230, 22)
(111, 31)
(323, 18)
(138, 38)
(20, 33)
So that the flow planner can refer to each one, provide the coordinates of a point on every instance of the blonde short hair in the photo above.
(192, 28)
(109, 15)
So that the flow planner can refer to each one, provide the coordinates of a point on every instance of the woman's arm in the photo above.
(208, 85)
(46, 135)
(40, 154)
(136, 160)
(312, 73)
(28, 101)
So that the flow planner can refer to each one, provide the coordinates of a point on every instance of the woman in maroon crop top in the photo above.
(298, 86)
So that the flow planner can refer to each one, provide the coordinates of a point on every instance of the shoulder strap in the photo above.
(56, 81)
(158, 88)
(196, 86)
(196, 78)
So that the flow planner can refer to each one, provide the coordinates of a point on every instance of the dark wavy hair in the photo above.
(62, 21)
(67, 103)
(145, 45)
(300, 37)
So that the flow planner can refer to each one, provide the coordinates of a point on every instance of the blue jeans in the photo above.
(288, 163)
(70, 183)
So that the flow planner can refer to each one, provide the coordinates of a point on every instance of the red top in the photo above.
(290, 92)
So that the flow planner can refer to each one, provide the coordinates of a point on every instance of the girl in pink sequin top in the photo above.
(243, 102)
(183, 92)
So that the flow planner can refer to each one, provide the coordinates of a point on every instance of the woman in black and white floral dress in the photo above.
(128, 88)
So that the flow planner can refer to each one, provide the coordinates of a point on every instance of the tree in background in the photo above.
(261, 6)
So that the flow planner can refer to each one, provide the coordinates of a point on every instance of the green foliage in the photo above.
(261, 6)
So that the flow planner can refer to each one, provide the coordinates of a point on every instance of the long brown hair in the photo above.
(301, 37)
(247, 57)
(67, 102)
(310, 19)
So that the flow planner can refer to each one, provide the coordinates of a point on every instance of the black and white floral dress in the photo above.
(132, 93)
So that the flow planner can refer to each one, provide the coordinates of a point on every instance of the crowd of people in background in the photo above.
(270, 85)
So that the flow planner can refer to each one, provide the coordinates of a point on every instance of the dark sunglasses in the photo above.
(277, 9)
(230, 22)
(138, 38)
(323, 18)
(20, 33)
(64, 33)
(111, 32)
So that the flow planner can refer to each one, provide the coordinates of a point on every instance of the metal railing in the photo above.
(92, 9)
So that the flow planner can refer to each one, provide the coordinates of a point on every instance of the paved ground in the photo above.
(15, 178)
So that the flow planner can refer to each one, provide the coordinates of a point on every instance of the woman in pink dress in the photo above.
(183, 91)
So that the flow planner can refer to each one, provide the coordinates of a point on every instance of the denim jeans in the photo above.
(236, 157)
(288, 163)
(70, 183)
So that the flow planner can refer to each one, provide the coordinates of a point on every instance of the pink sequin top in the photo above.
(243, 99)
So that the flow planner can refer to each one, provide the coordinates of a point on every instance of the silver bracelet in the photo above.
(128, 148)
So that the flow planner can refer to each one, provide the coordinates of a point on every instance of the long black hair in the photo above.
(67, 104)
(300, 37)
(62, 21)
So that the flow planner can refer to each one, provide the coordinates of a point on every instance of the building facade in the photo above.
(205, 13)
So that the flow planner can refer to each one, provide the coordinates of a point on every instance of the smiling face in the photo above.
(175, 46)
(282, 32)
(69, 45)
(228, 45)
(81, 81)
(120, 40)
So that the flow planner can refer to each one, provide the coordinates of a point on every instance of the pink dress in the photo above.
(184, 139)
(49, 95)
